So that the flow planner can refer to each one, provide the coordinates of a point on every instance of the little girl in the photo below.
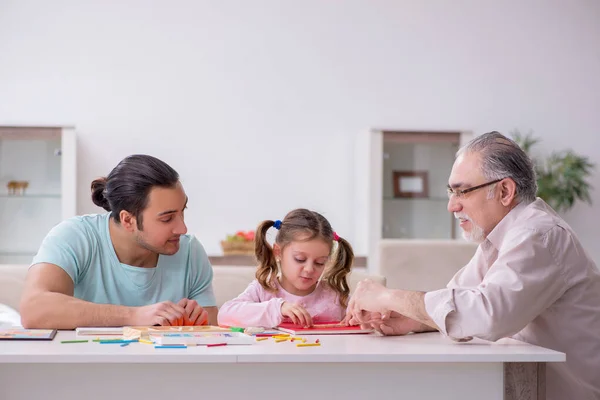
(301, 279)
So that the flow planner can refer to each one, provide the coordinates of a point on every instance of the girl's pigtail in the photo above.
(267, 265)
(342, 263)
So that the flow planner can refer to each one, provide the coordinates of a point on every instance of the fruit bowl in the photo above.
(240, 243)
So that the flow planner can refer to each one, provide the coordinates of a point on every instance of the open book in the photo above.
(327, 328)
(27, 334)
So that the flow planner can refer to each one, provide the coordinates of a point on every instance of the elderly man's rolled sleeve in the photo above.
(438, 305)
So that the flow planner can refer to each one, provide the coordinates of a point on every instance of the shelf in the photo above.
(30, 196)
(30, 132)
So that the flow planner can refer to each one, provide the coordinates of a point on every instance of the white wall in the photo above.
(258, 104)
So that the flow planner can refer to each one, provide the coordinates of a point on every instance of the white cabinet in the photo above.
(400, 187)
(414, 181)
(37, 186)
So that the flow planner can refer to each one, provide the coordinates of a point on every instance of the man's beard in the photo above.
(476, 235)
(159, 250)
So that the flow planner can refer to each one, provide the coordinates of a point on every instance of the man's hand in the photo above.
(297, 314)
(347, 319)
(194, 313)
(165, 313)
(393, 325)
(407, 307)
(369, 296)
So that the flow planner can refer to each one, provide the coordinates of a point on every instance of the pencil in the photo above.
(307, 344)
(74, 341)
(117, 341)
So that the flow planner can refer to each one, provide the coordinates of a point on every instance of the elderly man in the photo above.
(530, 278)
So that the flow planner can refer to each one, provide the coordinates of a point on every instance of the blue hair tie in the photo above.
(277, 224)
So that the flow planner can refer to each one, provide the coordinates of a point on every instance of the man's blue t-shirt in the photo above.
(83, 248)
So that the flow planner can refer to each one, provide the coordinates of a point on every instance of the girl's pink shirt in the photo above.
(258, 307)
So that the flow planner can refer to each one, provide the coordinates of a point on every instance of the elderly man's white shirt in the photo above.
(531, 280)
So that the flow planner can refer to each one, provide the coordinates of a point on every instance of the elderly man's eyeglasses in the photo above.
(459, 194)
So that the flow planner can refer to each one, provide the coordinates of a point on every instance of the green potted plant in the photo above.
(561, 177)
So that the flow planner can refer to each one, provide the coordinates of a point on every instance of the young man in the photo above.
(134, 265)
(530, 278)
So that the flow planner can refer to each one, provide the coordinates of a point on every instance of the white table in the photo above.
(425, 366)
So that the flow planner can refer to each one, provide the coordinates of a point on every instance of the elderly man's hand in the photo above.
(369, 296)
(393, 325)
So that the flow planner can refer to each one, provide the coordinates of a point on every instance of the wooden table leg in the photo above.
(524, 381)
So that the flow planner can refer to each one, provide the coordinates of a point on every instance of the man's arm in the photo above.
(394, 324)
(412, 305)
(373, 297)
(48, 303)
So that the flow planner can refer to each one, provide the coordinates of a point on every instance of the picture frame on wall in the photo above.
(411, 184)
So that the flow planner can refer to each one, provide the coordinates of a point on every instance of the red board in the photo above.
(325, 328)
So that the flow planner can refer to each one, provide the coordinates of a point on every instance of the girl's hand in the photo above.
(297, 314)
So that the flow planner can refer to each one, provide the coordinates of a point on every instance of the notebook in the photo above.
(325, 328)
(27, 334)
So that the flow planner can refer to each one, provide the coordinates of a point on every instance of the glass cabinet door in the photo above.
(416, 167)
(30, 189)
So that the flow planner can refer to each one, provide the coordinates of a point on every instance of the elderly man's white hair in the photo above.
(502, 158)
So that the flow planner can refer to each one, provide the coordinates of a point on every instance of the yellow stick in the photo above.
(307, 344)
(281, 340)
(260, 339)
